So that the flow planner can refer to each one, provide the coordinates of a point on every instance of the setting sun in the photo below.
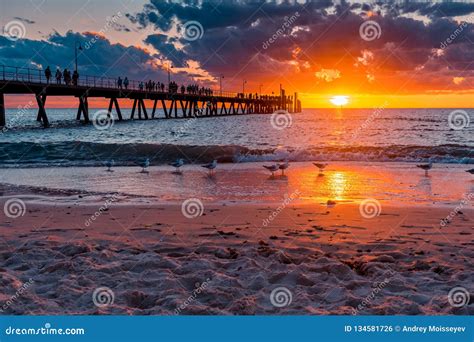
(339, 100)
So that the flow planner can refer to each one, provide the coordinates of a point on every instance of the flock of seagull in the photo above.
(429, 166)
(178, 163)
(275, 167)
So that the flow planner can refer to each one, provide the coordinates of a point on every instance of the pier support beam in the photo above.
(43, 99)
(223, 108)
(142, 105)
(113, 101)
(83, 109)
(170, 113)
(163, 104)
(184, 107)
(133, 109)
(214, 108)
(3, 121)
(139, 104)
(154, 109)
(117, 108)
(194, 108)
(295, 103)
(41, 111)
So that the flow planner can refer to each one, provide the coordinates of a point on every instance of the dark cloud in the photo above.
(98, 58)
(120, 27)
(326, 35)
(439, 9)
(216, 14)
(165, 45)
(26, 21)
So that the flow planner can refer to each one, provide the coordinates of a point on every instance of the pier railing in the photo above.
(30, 75)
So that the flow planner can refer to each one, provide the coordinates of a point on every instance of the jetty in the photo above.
(175, 103)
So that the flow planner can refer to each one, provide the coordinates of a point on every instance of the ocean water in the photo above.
(372, 135)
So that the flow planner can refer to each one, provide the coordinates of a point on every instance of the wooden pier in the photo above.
(15, 80)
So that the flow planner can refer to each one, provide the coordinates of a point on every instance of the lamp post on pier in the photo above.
(76, 43)
(169, 73)
(220, 83)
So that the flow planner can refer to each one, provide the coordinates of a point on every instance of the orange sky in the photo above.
(308, 101)
(419, 57)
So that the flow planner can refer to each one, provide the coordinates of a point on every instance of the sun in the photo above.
(339, 100)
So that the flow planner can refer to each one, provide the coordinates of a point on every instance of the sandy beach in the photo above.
(229, 257)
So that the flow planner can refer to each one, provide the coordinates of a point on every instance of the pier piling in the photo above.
(3, 121)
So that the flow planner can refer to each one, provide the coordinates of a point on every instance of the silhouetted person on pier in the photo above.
(75, 77)
(59, 75)
(119, 83)
(140, 86)
(66, 76)
(162, 87)
(182, 89)
(47, 73)
(125, 82)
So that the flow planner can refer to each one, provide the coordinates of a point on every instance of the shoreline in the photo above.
(349, 182)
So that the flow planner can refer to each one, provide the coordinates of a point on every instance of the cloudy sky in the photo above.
(395, 54)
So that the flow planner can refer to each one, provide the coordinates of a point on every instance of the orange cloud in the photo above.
(328, 75)
(458, 80)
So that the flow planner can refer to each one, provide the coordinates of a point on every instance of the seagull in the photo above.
(471, 171)
(144, 165)
(177, 164)
(283, 167)
(425, 167)
(109, 164)
(210, 166)
(272, 168)
(320, 166)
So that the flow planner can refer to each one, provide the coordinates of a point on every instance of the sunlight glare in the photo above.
(339, 100)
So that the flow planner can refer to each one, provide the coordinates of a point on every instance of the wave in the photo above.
(76, 153)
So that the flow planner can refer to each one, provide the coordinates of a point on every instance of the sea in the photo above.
(371, 135)
(371, 154)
